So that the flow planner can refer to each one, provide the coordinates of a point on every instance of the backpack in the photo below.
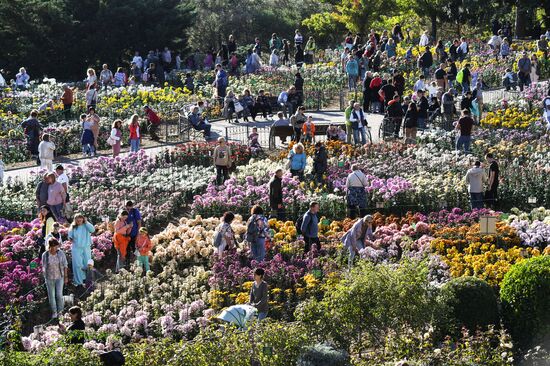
(460, 76)
(252, 230)
(218, 236)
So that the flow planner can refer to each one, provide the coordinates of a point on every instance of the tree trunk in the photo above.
(434, 27)
(524, 19)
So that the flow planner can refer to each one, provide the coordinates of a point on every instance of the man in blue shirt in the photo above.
(134, 216)
(199, 123)
(310, 227)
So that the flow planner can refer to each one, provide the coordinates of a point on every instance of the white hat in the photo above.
(91, 262)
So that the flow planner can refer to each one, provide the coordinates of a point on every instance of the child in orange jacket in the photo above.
(308, 130)
(144, 246)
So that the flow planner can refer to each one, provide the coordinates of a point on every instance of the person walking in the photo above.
(465, 127)
(297, 121)
(46, 150)
(31, 128)
(297, 161)
(257, 231)
(474, 179)
(221, 82)
(491, 194)
(354, 239)
(121, 238)
(310, 227)
(135, 133)
(116, 137)
(134, 216)
(349, 124)
(276, 195)
(358, 124)
(352, 69)
(222, 161)
(524, 71)
(57, 197)
(356, 196)
(80, 236)
(320, 163)
(55, 270)
(144, 246)
(259, 294)
(224, 237)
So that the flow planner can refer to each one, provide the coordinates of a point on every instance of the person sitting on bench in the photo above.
(198, 122)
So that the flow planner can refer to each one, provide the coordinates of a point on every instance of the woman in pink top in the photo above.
(56, 198)
(116, 135)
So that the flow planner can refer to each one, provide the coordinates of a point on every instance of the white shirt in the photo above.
(91, 79)
(419, 85)
(45, 150)
(63, 179)
(464, 47)
(424, 40)
(495, 41)
(138, 61)
(273, 60)
(113, 134)
(356, 179)
(357, 117)
(22, 79)
(2, 81)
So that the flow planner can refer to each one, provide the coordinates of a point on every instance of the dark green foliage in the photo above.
(323, 355)
(472, 303)
(525, 296)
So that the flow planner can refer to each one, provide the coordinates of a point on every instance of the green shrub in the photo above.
(472, 303)
(323, 355)
(525, 295)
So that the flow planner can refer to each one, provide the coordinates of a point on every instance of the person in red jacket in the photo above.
(135, 133)
(375, 85)
(153, 122)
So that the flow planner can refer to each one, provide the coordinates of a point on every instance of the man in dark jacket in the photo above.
(524, 71)
(299, 85)
(367, 92)
(320, 162)
(310, 227)
(395, 112)
(41, 192)
(31, 128)
(276, 194)
(426, 61)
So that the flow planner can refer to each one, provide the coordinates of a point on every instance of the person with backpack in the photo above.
(55, 270)
(356, 196)
(224, 237)
(354, 239)
(309, 227)
(257, 231)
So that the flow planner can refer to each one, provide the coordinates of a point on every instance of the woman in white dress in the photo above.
(534, 69)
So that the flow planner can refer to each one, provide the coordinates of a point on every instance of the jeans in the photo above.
(57, 211)
(144, 261)
(134, 145)
(55, 296)
(463, 143)
(297, 136)
(206, 127)
(465, 87)
(523, 80)
(426, 72)
(476, 199)
(352, 82)
(258, 249)
(262, 315)
(287, 108)
(359, 246)
(222, 174)
(356, 133)
(421, 123)
(88, 149)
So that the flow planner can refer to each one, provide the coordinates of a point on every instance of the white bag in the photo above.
(238, 107)
(111, 141)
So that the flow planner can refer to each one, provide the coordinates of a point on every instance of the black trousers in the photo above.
(309, 242)
(222, 174)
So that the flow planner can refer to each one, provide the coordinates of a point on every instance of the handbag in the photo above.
(111, 141)
(238, 107)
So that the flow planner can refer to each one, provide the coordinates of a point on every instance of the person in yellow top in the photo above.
(309, 51)
(144, 246)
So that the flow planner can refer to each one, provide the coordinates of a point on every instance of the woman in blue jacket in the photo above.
(297, 161)
(80, 235)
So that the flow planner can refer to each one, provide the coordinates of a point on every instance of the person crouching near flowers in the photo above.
(144, 246)
(224, 237)
(55, 267)
(354, 239)
(122, 238)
